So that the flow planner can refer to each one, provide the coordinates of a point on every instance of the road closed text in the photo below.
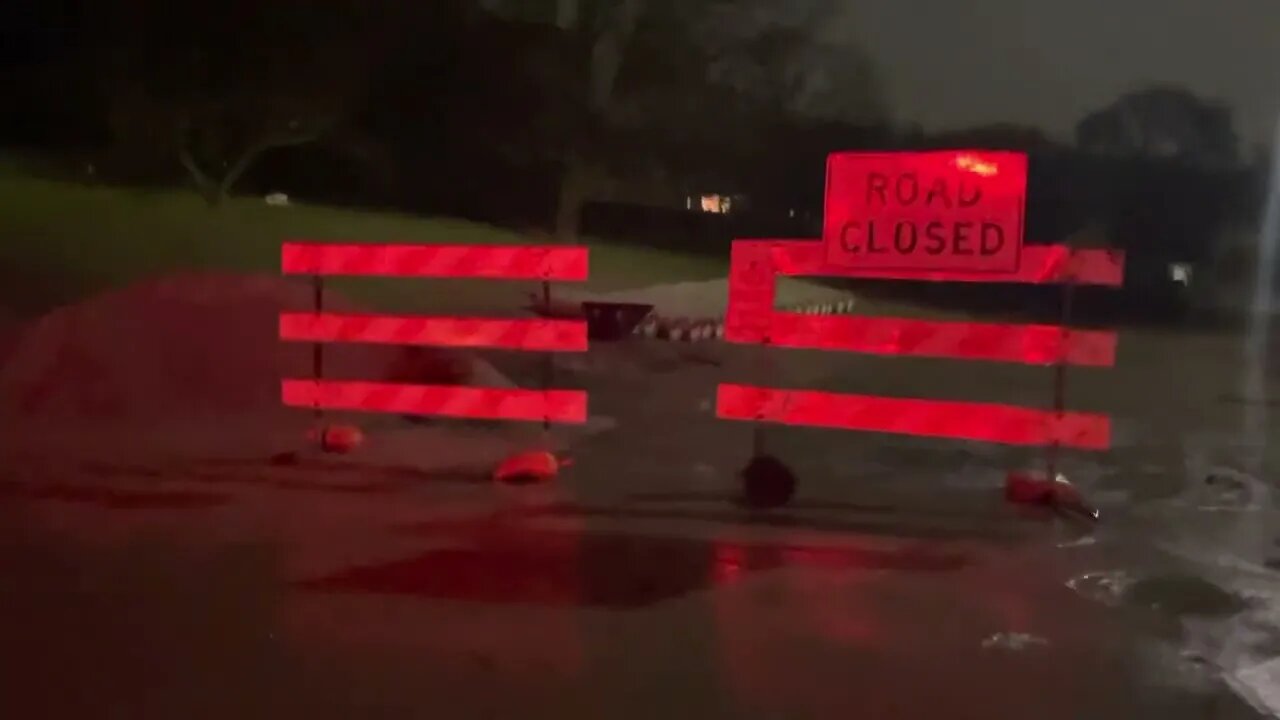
(924, 211)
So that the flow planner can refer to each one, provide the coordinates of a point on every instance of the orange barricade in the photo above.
(927, 217)
(546, 263)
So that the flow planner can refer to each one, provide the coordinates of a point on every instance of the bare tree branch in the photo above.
(609, 49)
(279, 140)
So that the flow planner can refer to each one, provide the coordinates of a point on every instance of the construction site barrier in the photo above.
(751, 319)
(538, 263)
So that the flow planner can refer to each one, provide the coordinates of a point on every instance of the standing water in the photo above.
(1231, 544)
(1252, 673)
(1256, 341)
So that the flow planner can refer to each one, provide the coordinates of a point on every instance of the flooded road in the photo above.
(897, 584)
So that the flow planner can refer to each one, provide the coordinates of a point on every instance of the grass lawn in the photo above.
(61, 241)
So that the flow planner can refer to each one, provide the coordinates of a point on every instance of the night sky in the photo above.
(956, 63)
(953, 63)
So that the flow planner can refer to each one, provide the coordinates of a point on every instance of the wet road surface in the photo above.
(896, 585)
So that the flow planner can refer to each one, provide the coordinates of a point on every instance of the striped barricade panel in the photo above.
(751, 319)
(529, 335)
(456, 401)
(495, 262)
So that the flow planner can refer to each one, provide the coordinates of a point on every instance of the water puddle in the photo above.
(603, 569)
(1016, 642)
(1104, 586)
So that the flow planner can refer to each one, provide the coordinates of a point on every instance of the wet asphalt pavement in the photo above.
(897, 583)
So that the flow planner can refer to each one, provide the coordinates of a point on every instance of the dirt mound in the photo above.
(188, 347)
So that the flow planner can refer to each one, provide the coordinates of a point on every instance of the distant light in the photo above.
(719, 204)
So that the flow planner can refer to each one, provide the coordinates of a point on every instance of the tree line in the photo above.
(525, 112)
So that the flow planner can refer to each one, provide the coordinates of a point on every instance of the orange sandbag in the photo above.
(1025, 488)
(339, 439)
(530, 467)
(1028, 488)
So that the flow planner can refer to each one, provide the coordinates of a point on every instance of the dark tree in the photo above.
(687, 89)
(214, 84)
(1163, 122)
(998, 136)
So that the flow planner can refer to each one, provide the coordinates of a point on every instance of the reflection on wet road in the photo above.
(391, 605)
(530, 565)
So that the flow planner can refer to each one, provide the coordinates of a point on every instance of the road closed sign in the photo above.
(953, 211)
